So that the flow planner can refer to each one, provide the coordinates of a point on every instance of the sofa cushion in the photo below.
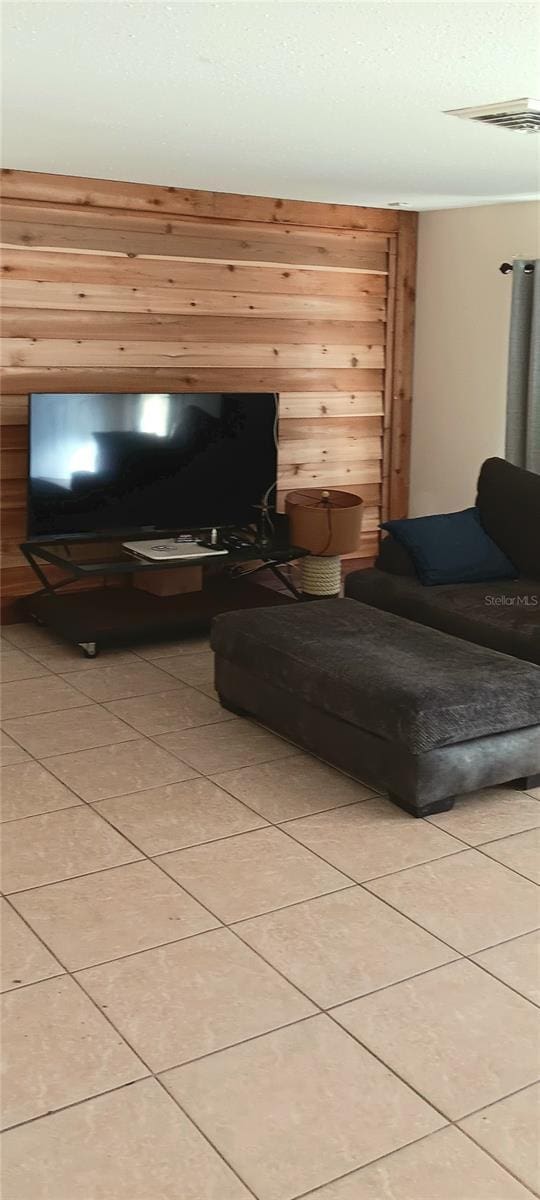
(452, 548)
(509, 504)
(399, 680)
(395, 558)
(504, 616)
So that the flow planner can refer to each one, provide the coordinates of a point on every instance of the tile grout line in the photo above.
(320, 1011)
(207, 1138)
(85, 875)
(375, 795)
(353, 882)
(449, 1122)
(459, 954)
(150, 1073)
(153, 662)
(505, 865)
(503, 837)
(42, 712)
(74, 1104)
(77, 803)
(490, 1153)
(487, 971)
(101, 746)
(313, 1192)
(437, 937)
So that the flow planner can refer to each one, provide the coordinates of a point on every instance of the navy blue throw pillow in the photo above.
(452, 548)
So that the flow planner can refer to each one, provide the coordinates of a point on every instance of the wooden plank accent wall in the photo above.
(124, 287)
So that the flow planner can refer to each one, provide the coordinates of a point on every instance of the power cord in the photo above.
(266, 519)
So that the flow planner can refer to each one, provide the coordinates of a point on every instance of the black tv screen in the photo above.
(118, 463)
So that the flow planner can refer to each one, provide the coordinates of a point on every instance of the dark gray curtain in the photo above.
(523, 408)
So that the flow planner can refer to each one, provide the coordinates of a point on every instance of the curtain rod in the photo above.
(507, 267)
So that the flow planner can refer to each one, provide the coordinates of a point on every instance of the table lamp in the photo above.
(328, 524)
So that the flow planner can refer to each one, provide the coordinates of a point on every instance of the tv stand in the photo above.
(112, 614)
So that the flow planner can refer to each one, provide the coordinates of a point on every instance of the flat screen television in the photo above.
(121, 463)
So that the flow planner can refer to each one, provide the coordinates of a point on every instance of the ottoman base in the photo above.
(527, 782)
(419, 783)
(424, 810)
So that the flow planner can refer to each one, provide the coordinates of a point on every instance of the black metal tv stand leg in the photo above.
(237, 572)
(38, 572)
(89, 649)
(286, 581)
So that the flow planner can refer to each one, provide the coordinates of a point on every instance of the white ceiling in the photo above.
(318, 101)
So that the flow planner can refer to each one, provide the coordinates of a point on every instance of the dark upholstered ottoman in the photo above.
(400, 706)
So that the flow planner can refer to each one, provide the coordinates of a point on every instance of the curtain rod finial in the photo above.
(506, 268)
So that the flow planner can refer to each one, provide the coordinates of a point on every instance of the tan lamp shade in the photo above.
(327, 523)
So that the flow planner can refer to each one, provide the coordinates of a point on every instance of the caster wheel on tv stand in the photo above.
(89, 649)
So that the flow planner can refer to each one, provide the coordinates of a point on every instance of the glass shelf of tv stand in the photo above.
(63, 553)
(100, 616)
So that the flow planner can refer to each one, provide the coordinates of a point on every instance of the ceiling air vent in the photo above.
(523, 115)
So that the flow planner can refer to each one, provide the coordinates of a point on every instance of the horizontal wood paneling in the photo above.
(203, 379)
(150, 327)
(337, 450)
(346, 253)
(215, 228)
(124, 287)
(41, 352)
(329, 440)
(15, 437)
(125, 271)
(13, 464)
(20, 293)
(331, 404)
(13, 410)
(13, 494)
(339, 475)
(105, 193)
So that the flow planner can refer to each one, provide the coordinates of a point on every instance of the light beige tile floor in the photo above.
(26, 697)
(23, 958)
(180, 707)
(443, 1032)
(521, 852)
(492, 813)
(467, 900)
(73, 1051)
(293, 788)
(10, 752)
(329, 998)
(517, 963)
(443, 1166)
(195, 669)
(509, 1130)
(168, 818)
(236, 744)
(28, 789)
(251, 874)
(17, 665)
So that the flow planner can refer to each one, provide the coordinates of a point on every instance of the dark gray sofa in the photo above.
(503, 615)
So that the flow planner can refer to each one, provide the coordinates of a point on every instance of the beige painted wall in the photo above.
(462, 324)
